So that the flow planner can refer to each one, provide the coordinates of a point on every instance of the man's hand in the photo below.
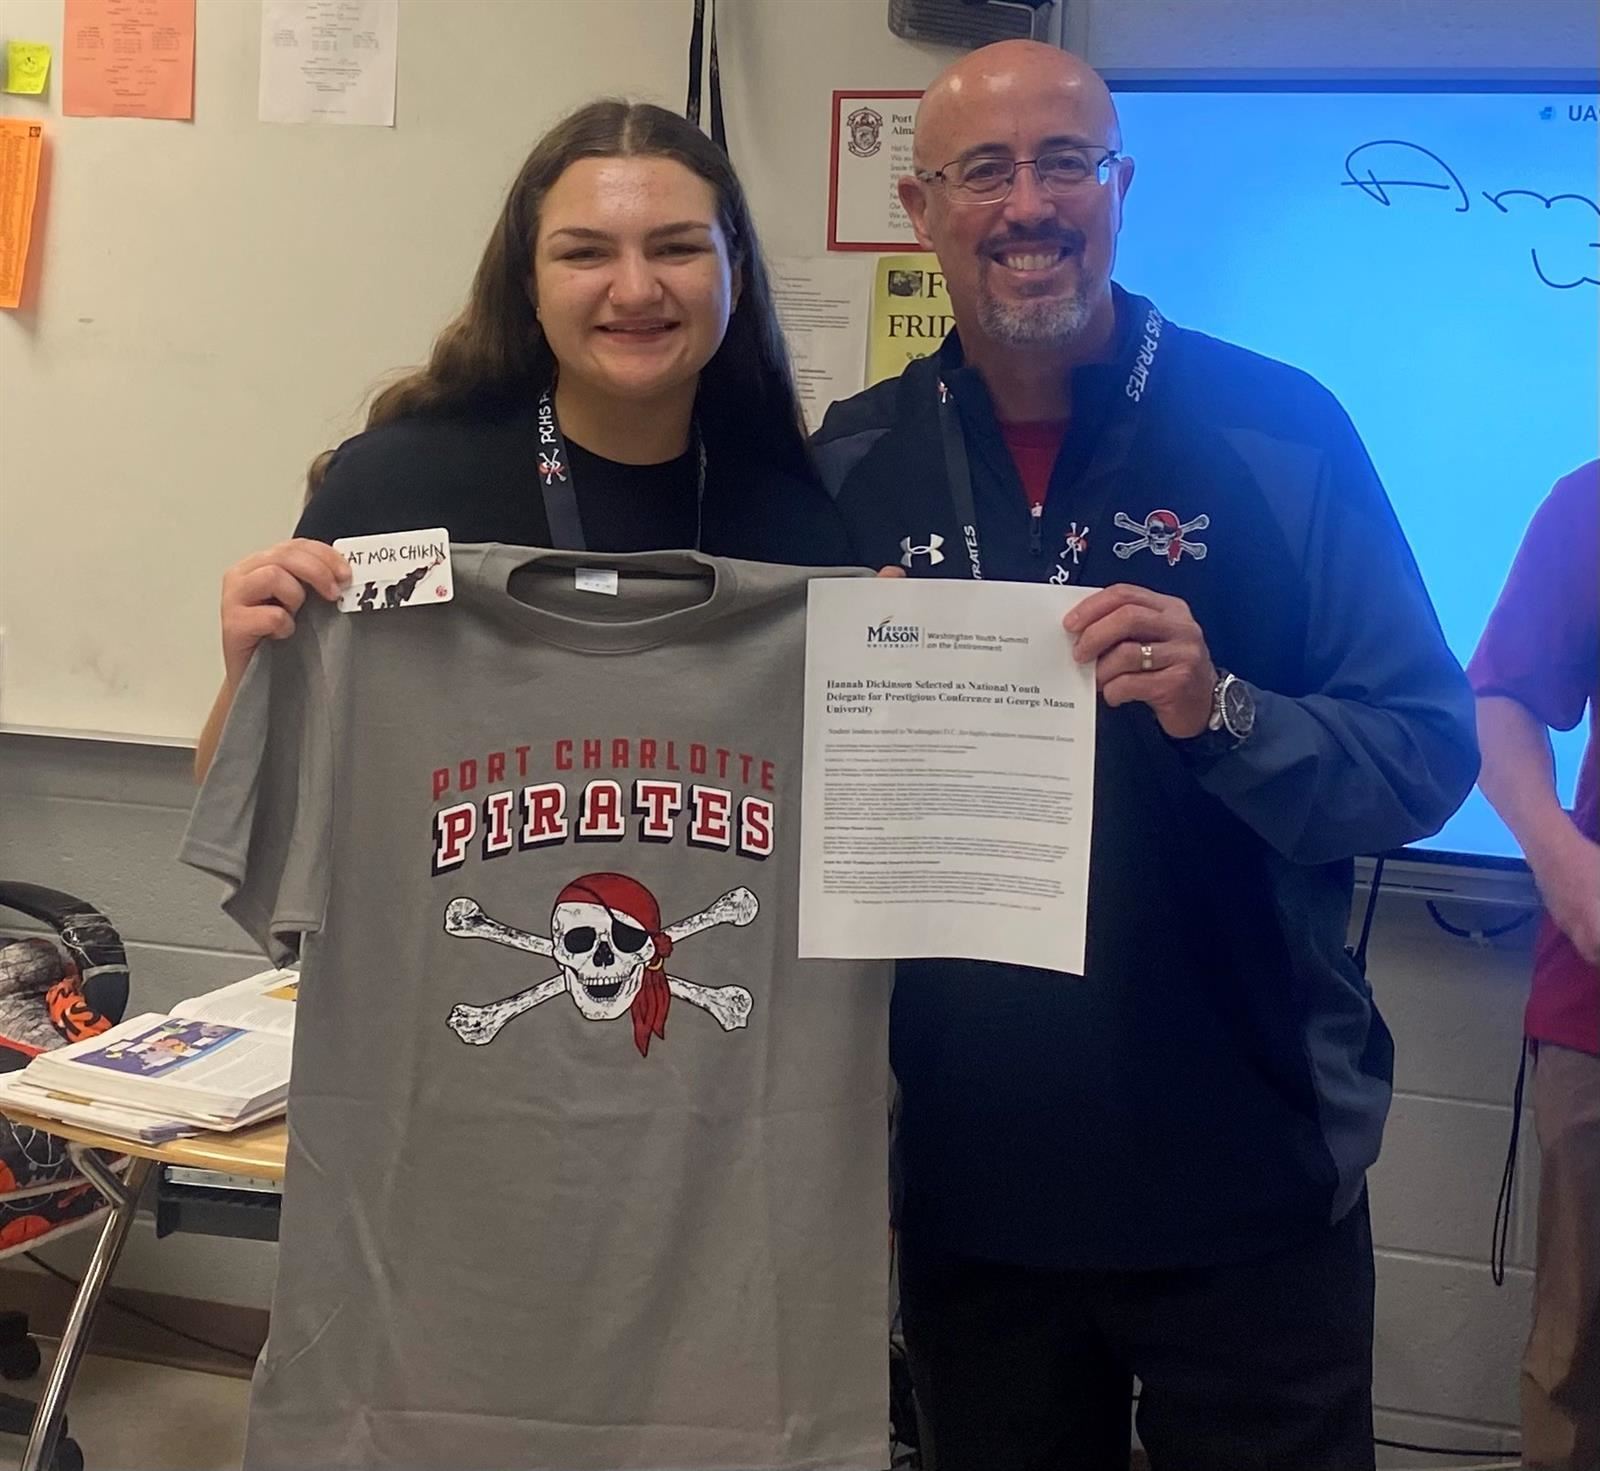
(1114, 626)
(891, 572)
(1569, 880)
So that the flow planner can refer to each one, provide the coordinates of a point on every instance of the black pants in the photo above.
(1262, 1366)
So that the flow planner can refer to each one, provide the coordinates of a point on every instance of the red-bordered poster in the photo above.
(870, 151)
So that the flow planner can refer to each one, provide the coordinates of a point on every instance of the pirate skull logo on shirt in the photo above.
(1164, 534)
(607, 939)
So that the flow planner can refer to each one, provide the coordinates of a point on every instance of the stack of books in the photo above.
(217, 1061)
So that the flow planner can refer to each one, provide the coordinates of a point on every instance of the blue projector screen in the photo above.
(1431, 257)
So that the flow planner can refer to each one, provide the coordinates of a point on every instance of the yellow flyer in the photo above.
(910, 314)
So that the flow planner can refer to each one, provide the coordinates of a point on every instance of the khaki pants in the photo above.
(1561, 1369)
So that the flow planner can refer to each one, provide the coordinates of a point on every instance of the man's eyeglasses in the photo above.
(986, 178)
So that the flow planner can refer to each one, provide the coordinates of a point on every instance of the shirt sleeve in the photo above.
(263, 819)
(1541, 646)
(1380, 746)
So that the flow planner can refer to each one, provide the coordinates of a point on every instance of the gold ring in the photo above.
(1147, 658)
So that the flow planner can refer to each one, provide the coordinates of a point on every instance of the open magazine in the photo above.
(217, 1061)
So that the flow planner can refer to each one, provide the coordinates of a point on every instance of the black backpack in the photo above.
(60, 988)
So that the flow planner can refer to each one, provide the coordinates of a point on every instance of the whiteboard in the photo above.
(214, 299)
(1429, 253)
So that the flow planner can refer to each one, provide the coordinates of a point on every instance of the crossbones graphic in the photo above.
(607, 939)
(1164, 534)
(551, 468)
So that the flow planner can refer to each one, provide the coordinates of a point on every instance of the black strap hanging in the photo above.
(1505, 1204)
(697, 48)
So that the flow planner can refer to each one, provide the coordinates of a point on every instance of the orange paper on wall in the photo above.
(21, 142)
(128, 58)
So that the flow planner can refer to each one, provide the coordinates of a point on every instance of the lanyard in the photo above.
(697, 39)
(1112, 444)
(561, 516)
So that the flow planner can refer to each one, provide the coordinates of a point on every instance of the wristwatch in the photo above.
(1233, 709)
(1233, 717)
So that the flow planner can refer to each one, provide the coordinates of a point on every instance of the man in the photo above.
(1158, 1169)
(1537, 666)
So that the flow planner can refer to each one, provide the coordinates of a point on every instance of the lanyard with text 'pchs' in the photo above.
(561, 496)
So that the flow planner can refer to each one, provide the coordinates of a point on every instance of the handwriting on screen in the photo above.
(1384, 170)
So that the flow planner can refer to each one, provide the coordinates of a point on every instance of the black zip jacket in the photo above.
(1215, 1086)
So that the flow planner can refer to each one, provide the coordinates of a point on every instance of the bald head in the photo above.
(1027, 259)
(1007, 80)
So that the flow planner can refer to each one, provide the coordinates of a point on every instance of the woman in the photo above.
(624, 280)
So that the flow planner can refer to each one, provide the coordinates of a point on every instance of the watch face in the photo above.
(1238, 709)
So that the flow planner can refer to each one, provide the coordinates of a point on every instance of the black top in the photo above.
(1215, 1085)
(477, 476)
(636, 508)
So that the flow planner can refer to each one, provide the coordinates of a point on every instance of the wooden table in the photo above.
(257, 1153)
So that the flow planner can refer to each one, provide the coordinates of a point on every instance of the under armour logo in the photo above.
(930, 551)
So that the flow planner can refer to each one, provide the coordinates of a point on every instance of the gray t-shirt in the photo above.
(586, 1169)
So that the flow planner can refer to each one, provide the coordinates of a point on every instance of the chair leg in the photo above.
(49, 1422)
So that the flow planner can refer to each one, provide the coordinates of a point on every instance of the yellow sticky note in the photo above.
(27, 66)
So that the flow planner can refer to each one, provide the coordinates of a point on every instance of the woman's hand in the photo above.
(262, 594)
